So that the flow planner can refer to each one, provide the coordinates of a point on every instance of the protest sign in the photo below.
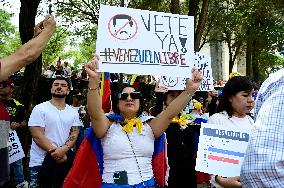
(144, 42)
(203, 63)
(221, 149)
(15, 148)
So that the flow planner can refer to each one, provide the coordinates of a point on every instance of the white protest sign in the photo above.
(145, 42)
(203, 63)
(221, 149)
(15, 148)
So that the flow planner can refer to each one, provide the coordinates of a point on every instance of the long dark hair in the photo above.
(231, 88)
(115, 101)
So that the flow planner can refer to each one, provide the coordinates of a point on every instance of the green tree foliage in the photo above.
(264, 38)
(157, 5)
(271, 62)
(9, 36)
(230, 24)
(250, 28)
(85, 12)
(87, 47)
(56, 45)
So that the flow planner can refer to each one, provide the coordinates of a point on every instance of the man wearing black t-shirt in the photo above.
(17, 122)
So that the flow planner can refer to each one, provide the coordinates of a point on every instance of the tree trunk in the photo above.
(122, 3)
(32, 74)
(175, 7)
(201, 24)
(193, 7)
(248, 57)
(120, 75)
(231, 62)
(255, 62)
(217, 55)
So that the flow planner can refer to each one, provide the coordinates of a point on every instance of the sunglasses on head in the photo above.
(133, 95)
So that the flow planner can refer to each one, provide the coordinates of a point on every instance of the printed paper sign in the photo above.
(15, 148)
(221, 149)
(144, 42)
(203, 63)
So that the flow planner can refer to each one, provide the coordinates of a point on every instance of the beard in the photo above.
(58, 95)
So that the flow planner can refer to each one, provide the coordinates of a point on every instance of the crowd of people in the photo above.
(128, 134)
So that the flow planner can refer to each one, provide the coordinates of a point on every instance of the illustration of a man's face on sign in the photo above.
(122, 27)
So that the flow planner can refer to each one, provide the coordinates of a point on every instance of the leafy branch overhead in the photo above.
(75, 11)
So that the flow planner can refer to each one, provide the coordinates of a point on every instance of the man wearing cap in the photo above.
(18, 123)
(25, 55)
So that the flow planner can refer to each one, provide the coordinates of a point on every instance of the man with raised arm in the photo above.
(25, 55)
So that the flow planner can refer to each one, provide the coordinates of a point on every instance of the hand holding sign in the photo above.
(14, 125)
(193, 84)
(233, 182)
(160, 89)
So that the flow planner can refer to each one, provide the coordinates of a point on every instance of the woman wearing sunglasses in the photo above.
(128, 141)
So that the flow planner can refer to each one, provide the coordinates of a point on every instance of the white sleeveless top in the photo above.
(119, 156)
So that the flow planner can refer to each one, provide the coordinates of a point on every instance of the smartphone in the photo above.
(219, 90)
(120, 177)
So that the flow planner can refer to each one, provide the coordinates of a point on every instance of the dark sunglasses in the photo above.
(133, 95)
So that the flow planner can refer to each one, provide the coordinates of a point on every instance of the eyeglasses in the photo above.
(133, 95)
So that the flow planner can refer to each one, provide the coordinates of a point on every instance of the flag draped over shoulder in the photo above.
(133, 79)
(105, 91)
(87, 169)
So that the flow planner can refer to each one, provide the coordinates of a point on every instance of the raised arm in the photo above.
(99, 121)
(162, 121)
(30, 51)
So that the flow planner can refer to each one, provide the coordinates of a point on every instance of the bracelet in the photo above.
(216, 178)
(93, 89)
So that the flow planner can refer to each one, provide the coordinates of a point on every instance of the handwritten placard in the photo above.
(144, 42)
(221, 149)
(203, 63)
(15, 148)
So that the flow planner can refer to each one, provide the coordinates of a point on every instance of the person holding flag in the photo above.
(128, 141)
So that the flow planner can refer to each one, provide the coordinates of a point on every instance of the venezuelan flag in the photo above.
(87, 169)
(4, 114)
(105, 91)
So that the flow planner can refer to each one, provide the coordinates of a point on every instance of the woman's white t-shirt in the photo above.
(119, 156)
(222, 118)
